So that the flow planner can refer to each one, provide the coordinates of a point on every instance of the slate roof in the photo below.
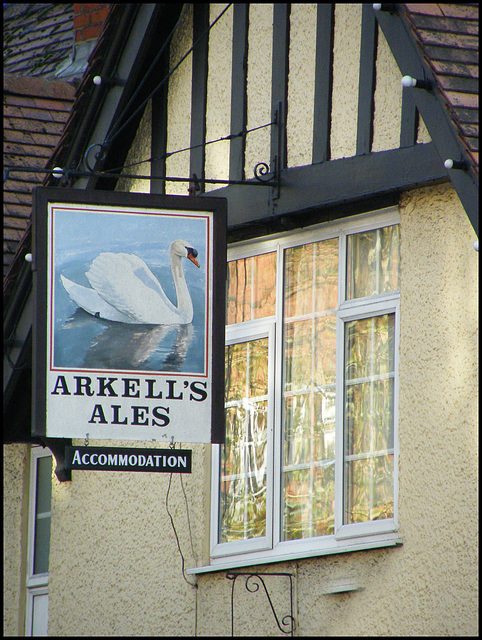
(448, 35)
(37, 38)
(35, 111)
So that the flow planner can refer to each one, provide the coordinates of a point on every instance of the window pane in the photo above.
(251, 288)
(311, 278)
(311, 297)
(369, 418)
(244, 454)
(42, 515)
(370, 494)
(372, 262)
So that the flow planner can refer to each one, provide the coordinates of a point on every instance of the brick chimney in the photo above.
(88, 23)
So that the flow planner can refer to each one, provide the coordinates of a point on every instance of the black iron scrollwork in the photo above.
(97, 156)
(252, 584)
(262, 172)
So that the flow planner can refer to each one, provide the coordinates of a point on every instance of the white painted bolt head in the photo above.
(58, 172)
(28, 257)
(97, 80)
(408, 81)
(449, 163)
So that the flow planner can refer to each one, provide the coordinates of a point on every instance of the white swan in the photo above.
(124, 289)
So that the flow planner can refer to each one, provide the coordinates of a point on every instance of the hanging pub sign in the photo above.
(129, 316)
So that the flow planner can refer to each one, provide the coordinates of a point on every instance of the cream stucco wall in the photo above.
(346, 64)
(15, 512)
(259, 85)
(301, 84)
(218, 125)
(115, 568)
(179, 107)
(387, 100)
(138, 159)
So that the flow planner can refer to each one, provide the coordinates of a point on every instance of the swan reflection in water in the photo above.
(130, 347)
(141, 319)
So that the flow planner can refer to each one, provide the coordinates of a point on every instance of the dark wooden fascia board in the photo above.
(335, 183)
(100, 108)
(431, 107)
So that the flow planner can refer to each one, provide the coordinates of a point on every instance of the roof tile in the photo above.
(448, 37)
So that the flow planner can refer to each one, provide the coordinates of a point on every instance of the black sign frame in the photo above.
(42, 197)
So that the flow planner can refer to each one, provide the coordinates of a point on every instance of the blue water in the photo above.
(84, 341)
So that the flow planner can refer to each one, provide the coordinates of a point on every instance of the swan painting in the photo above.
(124, 289)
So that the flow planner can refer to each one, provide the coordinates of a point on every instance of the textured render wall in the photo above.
(439, 410)
(259, 85)
(15, 511)
(179, 107)
(218, 124)
(346, 65)
(115, 568)
(388, 99)
(299, 124)
(140, 150)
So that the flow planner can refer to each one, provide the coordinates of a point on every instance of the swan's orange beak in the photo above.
(192, 258)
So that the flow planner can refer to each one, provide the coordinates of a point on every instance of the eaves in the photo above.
(431, 104)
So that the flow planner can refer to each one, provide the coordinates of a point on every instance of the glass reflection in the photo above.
(244, 454)
(369, 418)
(251, 288)
(373, 261)
(311, 298)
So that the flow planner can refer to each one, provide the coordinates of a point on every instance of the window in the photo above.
(309, 465)
(38, 542)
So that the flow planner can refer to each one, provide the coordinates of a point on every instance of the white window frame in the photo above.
(236, 334)
(37, 584)
(348, 537)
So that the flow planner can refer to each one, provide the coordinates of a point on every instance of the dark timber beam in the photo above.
(323, 82)
(279, 82)
(238, 90)
(199, 90)
(366, 85)
(336, 182)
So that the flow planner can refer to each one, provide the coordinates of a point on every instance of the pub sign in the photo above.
(129, 316)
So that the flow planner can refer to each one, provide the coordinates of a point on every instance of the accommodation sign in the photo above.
(129, 293)
(128, 459)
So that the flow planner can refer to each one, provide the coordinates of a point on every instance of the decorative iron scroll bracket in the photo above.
(264, 175)
(252, 584)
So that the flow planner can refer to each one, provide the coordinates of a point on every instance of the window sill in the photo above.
(223, 564)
